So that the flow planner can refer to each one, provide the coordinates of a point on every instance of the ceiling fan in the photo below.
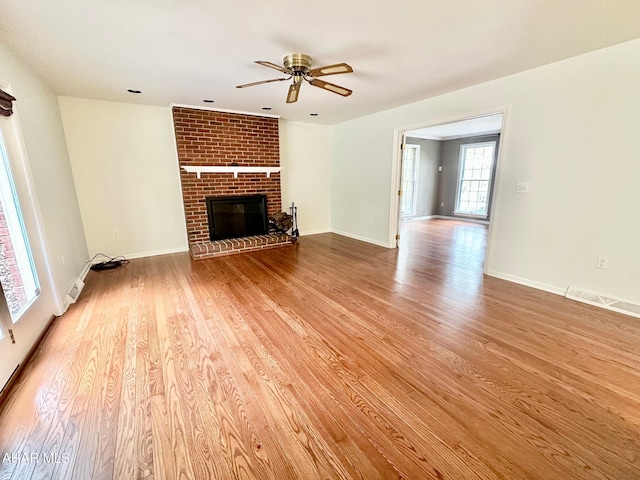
(298, 67)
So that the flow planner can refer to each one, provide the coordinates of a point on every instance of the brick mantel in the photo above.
(206, 138)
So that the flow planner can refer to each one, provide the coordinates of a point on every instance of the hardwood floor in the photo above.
(331, 359)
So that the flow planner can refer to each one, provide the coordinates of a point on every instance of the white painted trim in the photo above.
(416, 219)
(627, 307)
(85, 271)
(154, 253)
(396, 179)
(630, 307)
(131, 256)
(527, 283)
(32, 214)
(78, 285)
(416, 174)
(455, 137)
(485, 112)
(362, 239)
(470, 216)
(315, 232)
(461, 161)
(462, 219)
(498, 168)
(224, 110)
(177, 170)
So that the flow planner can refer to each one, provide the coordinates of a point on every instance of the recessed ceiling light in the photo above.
(131, 90)
(266, 108)
(206, 100)
(314, 114)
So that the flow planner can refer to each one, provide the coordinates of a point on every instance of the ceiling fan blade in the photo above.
(261, 82)
(294, 89)
(273, 65)
(331, 70)
(345, 92)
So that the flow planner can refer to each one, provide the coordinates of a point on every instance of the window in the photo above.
(474, 180)
(410, 161)
(17, 271)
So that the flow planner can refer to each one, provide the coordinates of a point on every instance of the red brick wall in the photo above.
(9, 271)
(205, 137)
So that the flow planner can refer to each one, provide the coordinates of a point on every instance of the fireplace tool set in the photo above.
(294, 214)
(282, 222)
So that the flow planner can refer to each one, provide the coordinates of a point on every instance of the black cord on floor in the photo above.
(109, 264)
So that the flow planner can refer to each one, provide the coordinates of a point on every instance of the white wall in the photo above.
(126, 174)
(360, 178)
(54, 195)
(572, 131)
(125, 168)
(305, 156)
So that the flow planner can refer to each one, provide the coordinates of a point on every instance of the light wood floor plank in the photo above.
(331, 359)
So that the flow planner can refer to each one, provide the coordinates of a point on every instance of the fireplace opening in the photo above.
(237, 216)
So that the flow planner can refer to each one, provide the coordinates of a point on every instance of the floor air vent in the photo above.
(600, 300)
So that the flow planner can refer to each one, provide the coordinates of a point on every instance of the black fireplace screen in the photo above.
(237, 216)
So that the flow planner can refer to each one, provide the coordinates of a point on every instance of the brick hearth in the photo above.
(210, 138)
(231, 246)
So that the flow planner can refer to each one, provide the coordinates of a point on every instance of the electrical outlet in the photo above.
(602, 263)
(522, 187)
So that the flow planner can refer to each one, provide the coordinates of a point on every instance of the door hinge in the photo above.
(402, 145)
(13, 339)
(398, 236)
(399, 193)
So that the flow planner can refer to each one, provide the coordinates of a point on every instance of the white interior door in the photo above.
(8, 352)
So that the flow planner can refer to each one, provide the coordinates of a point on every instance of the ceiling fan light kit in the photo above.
(298, 67)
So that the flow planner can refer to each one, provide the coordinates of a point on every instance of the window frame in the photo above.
(17, 207)
(416, 166)
(461, 163)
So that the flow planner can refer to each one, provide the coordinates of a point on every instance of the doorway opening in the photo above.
(454, 175)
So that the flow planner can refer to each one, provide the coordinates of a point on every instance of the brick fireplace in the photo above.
(206, 138)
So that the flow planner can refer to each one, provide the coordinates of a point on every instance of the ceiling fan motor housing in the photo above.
(298, 62)
(298, 68)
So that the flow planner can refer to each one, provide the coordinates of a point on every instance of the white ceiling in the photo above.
(184, 51)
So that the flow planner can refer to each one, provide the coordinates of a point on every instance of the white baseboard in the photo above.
(414, 219)
(597, 299)
(527, 283)
(85, 271)
(462, 219)
(315, 232)
(362, 239)
(156, 252)
(75, 288)
(131, 256)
